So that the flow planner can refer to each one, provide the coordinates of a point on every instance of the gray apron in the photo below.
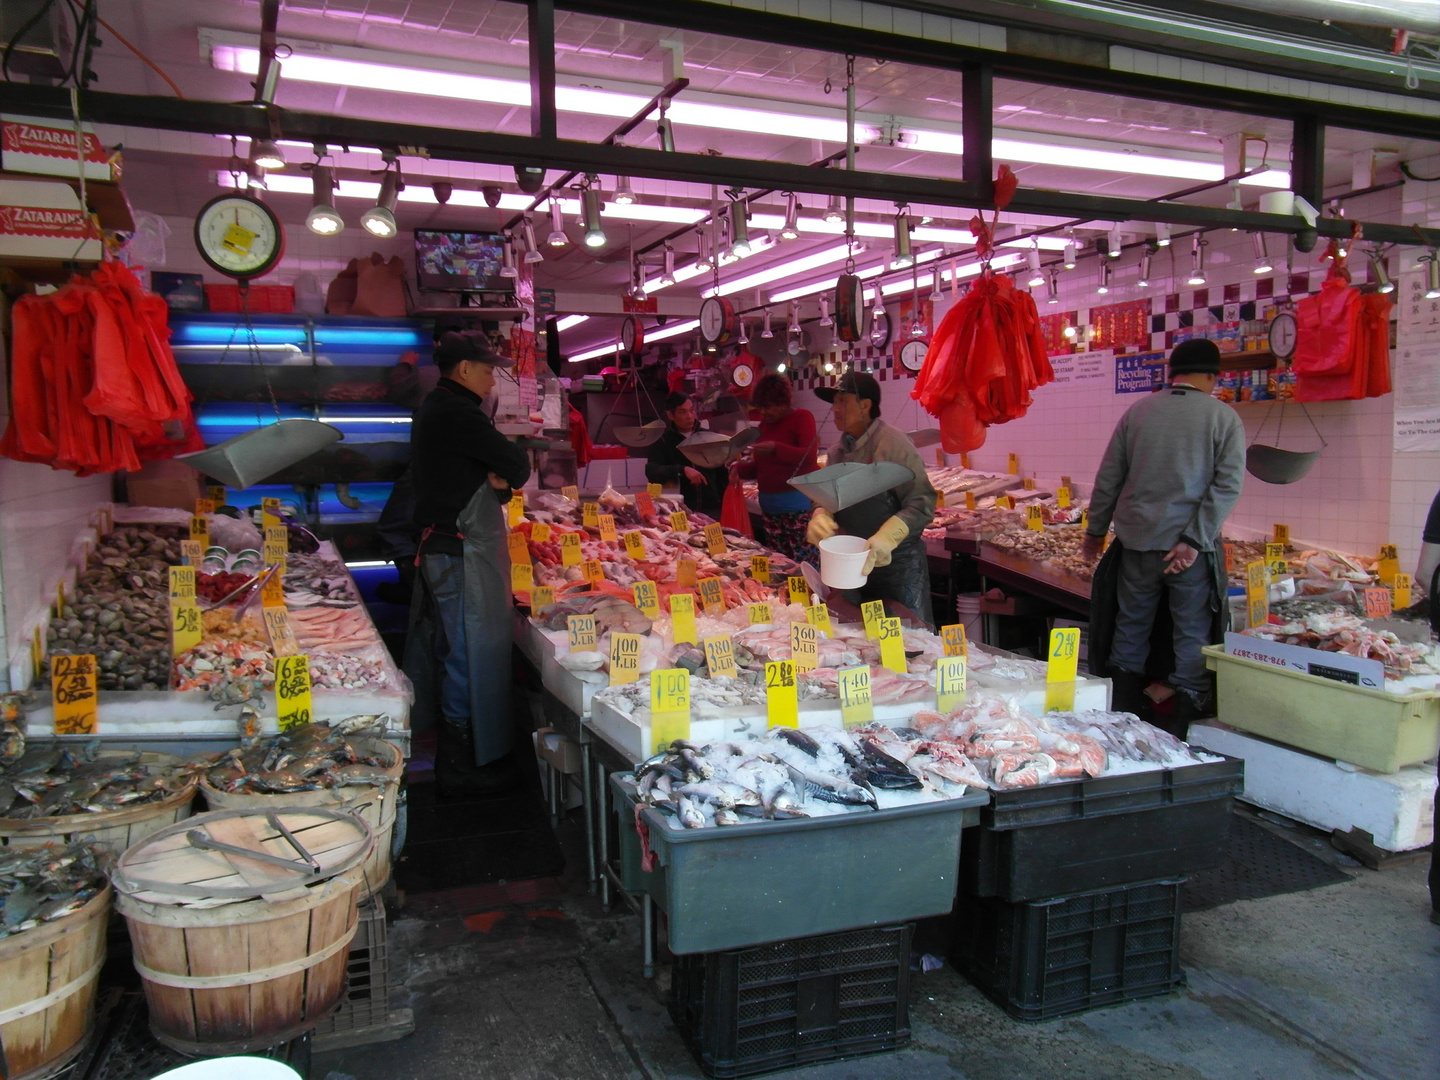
(907, 579)
(466, 598)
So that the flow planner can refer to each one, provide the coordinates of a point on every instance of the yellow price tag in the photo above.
(269, 512)
(282, 638)
(1257, 594)
(74, 684)
(669, 707)
(540, 532)
(522, 577)
(216, 493)
(782, 695)
(760, 568)
(635, 546)
(1034, 519)
(969, 500)
(954, 638)
(272, 593)
(679, 522)
(1062, 497)
(1084, 518)
(1064, 662)
(624, 658)
(685, 571)
(804, 646)
(819, 617)
(292, 691)
(203, 508)
(541, 597)
(191, 552)
(594, 572)
(1282, 534)
(855, 703)
(1389, 564)
(647, 598)
(712, 598)
(1014, 467)
(653, 490)
(872, 611)
(950, 683)
(278, 535)
(759, 613)
(715, 539)
(37, 654)
(571, 492)
(1402, 590)
(570, 549)
(238, 239)
(682, 618)
(644, 504)
(515, 508)
(720, 657)
(519, 548)
(607, 528)
(590, 515)
(186, 629)
(274, 554)
(892, 646)
(182, 583)
(60, 598)
(939, 500)
(1004, 502)
(1029, 483)
(965, 461)
(582, 632)
(799, 590)
(1275, 564)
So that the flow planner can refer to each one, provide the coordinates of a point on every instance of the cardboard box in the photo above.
(30, 144)
(165, 483)
(42, 219)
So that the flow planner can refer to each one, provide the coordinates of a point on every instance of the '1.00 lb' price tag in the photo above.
(720, 657)
(624, 658)
(292, 691)
(715, 539)
(782, 701)
(950, 682)
(669, 707)
(73, 681)
(582, 632)
(855, 703)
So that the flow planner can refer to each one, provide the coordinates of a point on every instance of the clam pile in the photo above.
(120, 612)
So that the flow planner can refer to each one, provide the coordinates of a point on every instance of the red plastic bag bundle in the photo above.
(986, 357)
(1342, 348)
(734, 514)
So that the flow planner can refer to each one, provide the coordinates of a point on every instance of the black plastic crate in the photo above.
(796, 1002)
(1073, 953)
(1085, 835)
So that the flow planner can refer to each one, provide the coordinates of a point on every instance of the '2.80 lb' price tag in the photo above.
(292, 691)
(182, 583)
(73, 681)
(782, 701)
(624, 658)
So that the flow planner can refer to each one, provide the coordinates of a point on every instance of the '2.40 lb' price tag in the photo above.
(73, 681)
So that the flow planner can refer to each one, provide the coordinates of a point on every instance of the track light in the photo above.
(1432, 274)
(793, 323)
(825, 317)
(532, 249)
(790, 230)
(1197, 262)
(1037, 277)
(878, 312)
(255, 176)
(739, 228)
(667, 277)
(766, 332)
(624, 194)
(1162, 235)
(1053, 295)
(903, 255)
(1381, 276)
(1263, 264)
(266, 154)
(703, 262)
(1144, 281)
(666, 132)
(379, 220)
(590, 214)
(780, 368)
(1117, 243)
(744, 338)
(557, 237)
(322, 218)
(935, 296)
(834, 211)
(1104, 286)
(1070, 255)
(507, 259)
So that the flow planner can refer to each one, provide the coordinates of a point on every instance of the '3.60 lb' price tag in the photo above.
(292, 691)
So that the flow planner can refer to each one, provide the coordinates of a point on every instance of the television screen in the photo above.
(460, 261)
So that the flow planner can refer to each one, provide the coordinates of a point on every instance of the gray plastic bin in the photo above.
(743, 885)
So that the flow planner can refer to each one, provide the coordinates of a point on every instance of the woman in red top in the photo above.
(786, 448)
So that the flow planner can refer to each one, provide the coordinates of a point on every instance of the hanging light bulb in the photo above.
(791, 229)
(379, 220)
(825, 319)
(739, 229)
(266, 154)
(1197, 262)
(1053, 295)
(557, 237)
(1104, 286)
(903, 255)
(255, 176)
(1379, 273)
(792, 325)
(780, 368)
(590, 212)
(703, 262)
(532, 249)
(1162, 235)
(666, 132)
(667, 276)
(878, 312)
(766, 332)
(744, 338)
(507, 259)
(1037, 277)
(829, 368)
(1070, 255)
(624, 194)
(1144, 281)
(1432, 275)
(935, 296)
(1263, 264)
(1117, 243)
(323, 218)
(834, 211)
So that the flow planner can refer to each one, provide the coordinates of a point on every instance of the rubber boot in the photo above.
(1128, 694)
(456, 774)
(1189, 708)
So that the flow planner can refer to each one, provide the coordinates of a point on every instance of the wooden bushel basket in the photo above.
(48, 976)
(238, 955)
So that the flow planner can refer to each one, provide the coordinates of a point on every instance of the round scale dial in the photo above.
(239, 236)
(632, 335)
(912, 354)
(1283, 333)
(717, 320)
(743, 374)
(880, 330)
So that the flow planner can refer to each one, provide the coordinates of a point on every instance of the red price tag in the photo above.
(1377, 603)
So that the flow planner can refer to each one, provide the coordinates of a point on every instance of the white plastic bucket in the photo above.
(1277, 202)
(967, 610)
(842, 558)
(232, 1068)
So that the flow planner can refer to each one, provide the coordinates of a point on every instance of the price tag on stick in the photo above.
(182, 583)
(1377, 603)
(570, 549)
(607, 528)
(1257, 594)
(635, 546)
(571, 492)
(804, 647)
(760, 568)
(1035, 518)
(582, 632)
(1062, 497)
(819, 617)
(654, 490)
(645, 504)
(515, 508)
(191, 553)
(541, 597)
(594, 572)
(872, 611)
(269, 513)
(715, 539)
(950, 682)
(855, 703)
(74, 684)
(892, 646)
(1401, 597)
(216, 492)
(282, 638)
(519, 548)
(590, 515)
(522, 577)
(799, 590)
(759, 613)
(1282, 534)
(186, 629)
(624, 658)
(647, 598)
(782, 699)
(685, 571)
(1275, 563)
(954, 638)
(200, 530)
(712, 596)
(1389, 564)
(720, 657)
(292, 691)
(1061, 671)
(272, 592)
(540, 532)
(680, 521)
(682, 618)
(669, 707)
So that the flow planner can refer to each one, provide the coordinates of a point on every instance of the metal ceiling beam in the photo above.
(540, 15)
(800, 33)
(220, 118)
(1307, 160)
(977, 127)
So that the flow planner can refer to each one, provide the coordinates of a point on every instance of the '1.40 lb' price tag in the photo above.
(855, 703)
(782, 700)
(607, 528)
(624, 658)
(669, 707)
(74, 683)
(292, 691)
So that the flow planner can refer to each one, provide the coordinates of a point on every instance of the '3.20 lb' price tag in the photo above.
(292, 691)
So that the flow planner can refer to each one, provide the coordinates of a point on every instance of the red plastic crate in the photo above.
(609, 452)
(264, 299)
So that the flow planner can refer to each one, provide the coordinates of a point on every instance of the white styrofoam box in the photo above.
(1397, 809)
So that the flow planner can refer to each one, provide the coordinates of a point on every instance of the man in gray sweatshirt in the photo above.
(1169, 478)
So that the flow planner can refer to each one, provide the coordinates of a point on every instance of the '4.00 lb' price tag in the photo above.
(292, 691)
(73, 681)
(782, 701)
(624, 658)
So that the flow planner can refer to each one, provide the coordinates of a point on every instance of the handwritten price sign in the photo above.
(856, 705)
(292, 691)
(73, 681)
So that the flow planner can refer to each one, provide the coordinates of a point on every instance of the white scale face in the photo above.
(1283, 335)
(712, 320)
(239, 237)
(912, 354)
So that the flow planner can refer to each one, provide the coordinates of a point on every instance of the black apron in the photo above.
(907, 579)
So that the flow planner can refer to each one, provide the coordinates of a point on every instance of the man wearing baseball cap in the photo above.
(1168, 480)
(464, 470)
(892, 520)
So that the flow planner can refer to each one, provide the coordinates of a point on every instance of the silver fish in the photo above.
(691, 816)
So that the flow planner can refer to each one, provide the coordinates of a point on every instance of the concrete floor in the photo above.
(536, 981)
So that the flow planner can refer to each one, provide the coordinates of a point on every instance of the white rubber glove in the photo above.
(822, 527)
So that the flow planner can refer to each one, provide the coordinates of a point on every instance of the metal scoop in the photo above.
(255, 456)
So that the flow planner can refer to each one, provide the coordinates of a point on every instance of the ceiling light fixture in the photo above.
(825, 317)
(624, 194)
(790, 230)
(903, 254)
(778, 271)
(590, 212)
(1117, 243)
(1053, 295)
(1432, 274)
(379, 220)
(739, 226)
(1070, 254)
(1197, 262)
(835, 211)
(255, 178)
(323, 218)
(667, 276)
(507, 259)
(557, 237)
(703, 262)
(532, 249)
(1263, 265)
(1144, 281)
(571, 320)
(1037, 277)
(935, 296)
(793, 322)
(1162, 235)
(1378, 273)
(266, 154)
(765, 331)
(1104, 286)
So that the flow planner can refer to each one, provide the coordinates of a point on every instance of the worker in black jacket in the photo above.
(464, 470)
(702, 489)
